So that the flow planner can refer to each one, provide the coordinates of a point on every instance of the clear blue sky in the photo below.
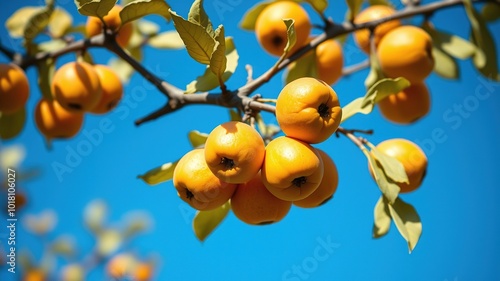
(458, 202)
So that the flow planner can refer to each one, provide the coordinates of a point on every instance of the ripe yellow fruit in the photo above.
(406, 51)
(234, 152)
(113, 21)
(330, 61)
(372, 13)
(308, 109)
(35, 274)
(142, 272)
(53, 121)
(326, 188)
(120, 266)
(197, 185)
(112, 89)
(271, 30)
(292, 169)
(76, 86)
(411, 156)
(73, 272)
(14, 88)
(407, 106)
(252, 203)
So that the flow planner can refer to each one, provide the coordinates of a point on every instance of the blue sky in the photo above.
(458, 201)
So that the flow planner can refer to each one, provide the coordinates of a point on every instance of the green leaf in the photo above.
(208, 80)
(160, 174)
(381, 218)
(249, 19)
(392, 168)
(16, 23)
(122, 68)
(11, 125)
(108, 242)
(376, 93)
(60, 22)
(305, 66)
(380, 2)
(384, 88)
(485, 57)
(46, 70)
(234, 115)
(407, 222)
(94, 8)
(199, 43)
(445, 65)
(197, 138)
(318, 5)
(490, 11)
(198, 15)
(94, 215)
(354, 8)
(140, 8)
(147, 28)
(167, 40)
(291, 36)
(375, 73)
(37, 23)
(388, 188)
(205, 222)
(51, 45)
(218, 60)
(450, 43)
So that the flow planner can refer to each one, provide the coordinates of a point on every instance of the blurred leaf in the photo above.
(63, 246)
(122, 68)
(205, 222)
(354, 8)
(167, 40)
(199, 44)
(218, 61)
(381, 218)
(11, 156)
(147, 28)
(42, 223)
(485, 58)
(94, 215)
(208, 80)
(375, 73)
(445, 65)
(140, 8)
(159, 175)
(136, 223)
(46, 70)
(305, 66)
(37, 22)
(51, 45)
(73, 272)
(79, 28)
(11, 125)
(318, 5)
(60, 22)
(136, 39)
(26, 260)
(392, 168)
(249, 19)
(94, 8)
(450, 43)
(234, 115)
(108, 242)
(380, 2)
(376, 93)
(197, 139)
(389, 189)
(198, 15)
(16, 23)
(407, 221)
(490, 11)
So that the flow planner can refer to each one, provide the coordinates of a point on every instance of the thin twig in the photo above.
(348, 70)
